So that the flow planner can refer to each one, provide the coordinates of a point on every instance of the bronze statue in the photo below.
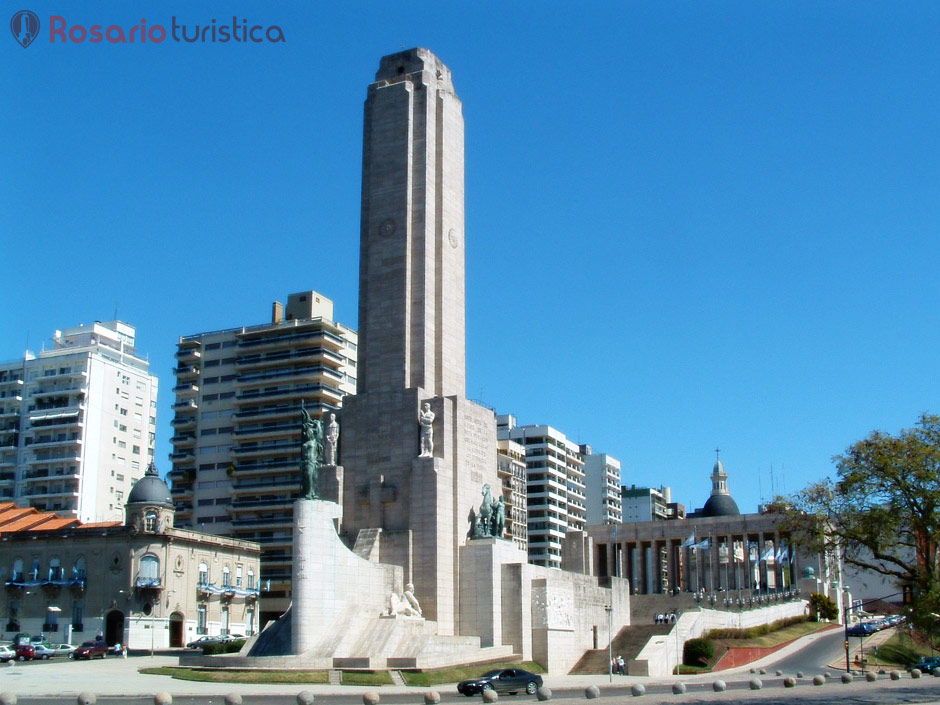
(310, 453)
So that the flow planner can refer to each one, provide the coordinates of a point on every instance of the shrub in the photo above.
(697, 652)
(759, 630)
(822, 606)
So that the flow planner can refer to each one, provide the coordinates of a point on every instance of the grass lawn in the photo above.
(899, 650)
(453, 675)
(240, 676)
(781, 636)
(366, 678)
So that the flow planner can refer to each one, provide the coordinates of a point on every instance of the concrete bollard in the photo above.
(847, 678)
(162, 699)
(799, 674)
(638, 689)
(894, 675)
(305, 697)
(789, 682)
(719, 686)
(753, 670)
(762, 671)
(591, 692)
(7, 699)
(11, 663)
(755, 684)
(778, 672)
(87, 699)
(827, 675)
(915, 673)
(233, 699)
(543, 694)
(432, 697)
(819, 680)
(935, 672)
(871, 676)
(372, 698)
(489, 696)
(678, 688)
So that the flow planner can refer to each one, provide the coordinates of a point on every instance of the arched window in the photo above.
(149, 574)
(18, 570)
(78, 570)
(251, 578)
(150, 521)
(203, 573)
(226, 576)
(55, 569)
(238, 576)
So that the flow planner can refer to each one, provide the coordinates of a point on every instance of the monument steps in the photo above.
(628, 643)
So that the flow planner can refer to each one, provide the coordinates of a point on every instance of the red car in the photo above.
(25, 652)
(92, 649)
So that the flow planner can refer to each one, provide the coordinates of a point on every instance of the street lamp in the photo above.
(845, 620)
(610, 643)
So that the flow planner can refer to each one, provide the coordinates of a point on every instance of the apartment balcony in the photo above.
(46, 491)
(259, 503)
(187, 406)
(256, 450)
(281, 520)
(188, 356)
(6, 477)
(183, 440)
(258, 361)
(11, 414)
(64, 392)
(281, 411)
(289, 336)
(294, 375)
(269, 467)
(269, 431)
(58, 443)
(181, 423)
(62, 413)
(55, 461)
(186, 373)
(182, 456)
(256, 483)
(183, 506)
(186, 390)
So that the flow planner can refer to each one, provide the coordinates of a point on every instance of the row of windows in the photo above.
(226, 576)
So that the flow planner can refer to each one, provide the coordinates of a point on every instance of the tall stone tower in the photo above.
(398, 507)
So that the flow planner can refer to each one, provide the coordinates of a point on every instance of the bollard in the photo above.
(638, 689)
(591, 692)
(753, 670)
(847, 678)
(719, 686)
(233, 699)
(935, 671)
(755, 684)
(789, 682)
(162, 699)
(7, 699)
(871, 676)
(87, 699)
(779, 672)
(819, 680)
(432, 697)
(799, 674)
(894, 675)
(762, 671)
(489, 696)
(678, 688)
(543, 694)
(372, 698)
(827, 675)
(305, 697)
(915, 673)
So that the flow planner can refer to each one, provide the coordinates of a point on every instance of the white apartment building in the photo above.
(236, 442)
(646, 503)
(602, 487)
(77, 423)
(554, 487)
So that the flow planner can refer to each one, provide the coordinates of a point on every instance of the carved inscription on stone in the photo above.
(474, 446)
(552, 607)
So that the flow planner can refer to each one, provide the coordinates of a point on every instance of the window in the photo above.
(201, 620)
(34, 573)
(250, 621)
(123, 412)
(238, 576)
(150, 521)
(226, 576)
(203, 573)
(77, 615)
(55, 569)
(149, 570)
(225, 621)
(251, 578)
(78, 570)
(119, 478)
(135, 450)
(17, 570)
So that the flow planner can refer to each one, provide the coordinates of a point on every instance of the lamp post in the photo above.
(845, 589)
(610, 643)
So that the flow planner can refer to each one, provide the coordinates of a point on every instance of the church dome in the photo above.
(150, 489)
(720, 505)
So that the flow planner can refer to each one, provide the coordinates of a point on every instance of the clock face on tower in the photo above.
(452, 237)
(387, 227)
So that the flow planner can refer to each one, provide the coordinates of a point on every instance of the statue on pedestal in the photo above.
(310, 451)
(426, 420)
(330, 441)
(491, 519)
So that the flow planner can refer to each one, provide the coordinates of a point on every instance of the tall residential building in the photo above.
(77, 423)
(236, 442)
(602, 487)
(646, 503)
(554, 484)
(510, 464)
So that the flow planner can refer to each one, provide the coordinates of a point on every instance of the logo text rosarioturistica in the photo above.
(213, 32)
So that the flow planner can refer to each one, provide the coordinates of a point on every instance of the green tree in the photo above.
(822, 606)
(882, 512)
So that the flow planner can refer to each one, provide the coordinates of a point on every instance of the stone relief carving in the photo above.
(331, 441)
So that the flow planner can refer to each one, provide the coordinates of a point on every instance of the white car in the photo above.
(46, 651)
(6, 653)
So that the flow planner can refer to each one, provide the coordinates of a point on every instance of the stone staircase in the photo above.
(628, 643)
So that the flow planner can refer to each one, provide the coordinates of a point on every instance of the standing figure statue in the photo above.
(426, 420)
(310, 452)
(330, 441)
(499, 517)
(485, 516)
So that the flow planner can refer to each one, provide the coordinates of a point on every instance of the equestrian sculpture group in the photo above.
(491, 519)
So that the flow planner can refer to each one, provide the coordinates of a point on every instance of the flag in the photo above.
(704, 545)
(738, 552)
(689, 542)
(768, 554)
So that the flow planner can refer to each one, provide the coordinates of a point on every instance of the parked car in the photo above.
(44, 651)
(25, 652)
(6, 653)
(92, 649)
(233, 637)
(202, 641)
(927, 664)
(66, 650)
(502, 680)
(861, 629)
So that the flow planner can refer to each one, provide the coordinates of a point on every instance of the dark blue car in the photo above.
(502, 680)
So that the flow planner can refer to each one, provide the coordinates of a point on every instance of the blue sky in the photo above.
(689, 224)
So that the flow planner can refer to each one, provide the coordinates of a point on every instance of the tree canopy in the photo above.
(881, 511)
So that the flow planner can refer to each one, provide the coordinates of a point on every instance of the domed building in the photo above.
(141, 583)
(720, 503)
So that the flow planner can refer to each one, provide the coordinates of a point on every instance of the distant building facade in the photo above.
(236, 442)
(510, 460)
(77, 423)
(601, 487)
(646, 503)
(140, 582)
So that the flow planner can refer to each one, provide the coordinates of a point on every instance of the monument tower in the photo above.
(404, 503)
